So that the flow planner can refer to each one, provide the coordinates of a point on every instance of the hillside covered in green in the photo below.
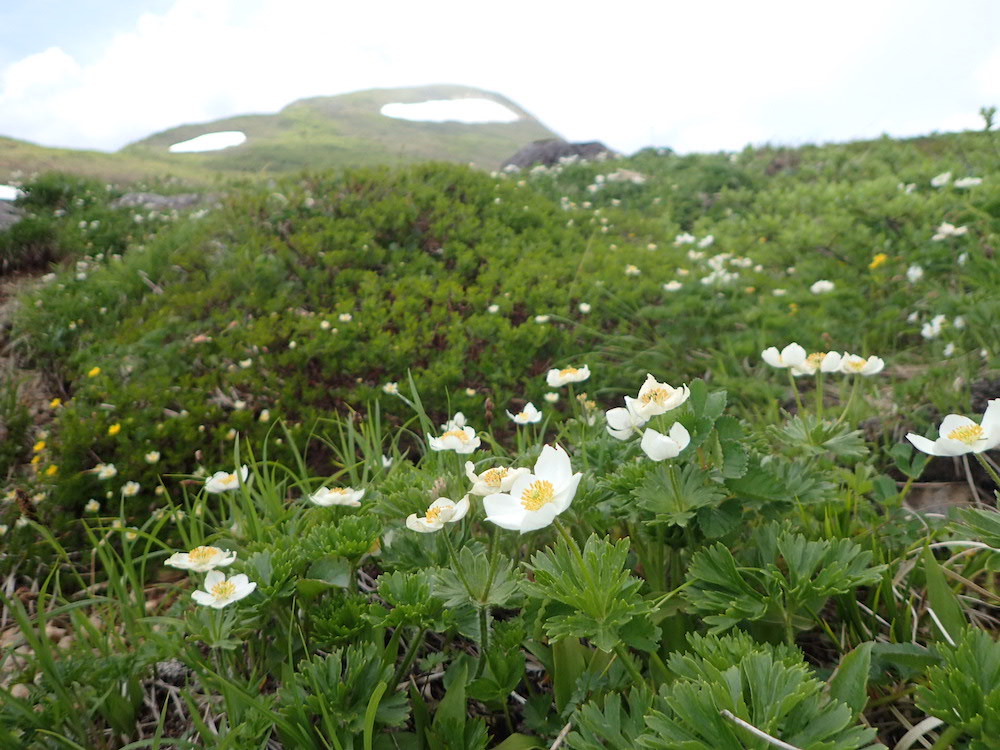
(764, 558)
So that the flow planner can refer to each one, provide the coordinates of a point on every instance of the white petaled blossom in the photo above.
(492, 481)
(672, 286)
(92, 506)
(631, 270)
(584, 307)
(130, 489)
(528, 415)
(967, 182)
(327, 496)
(551, 397)
(914, 273)
(852, 364)
(792, 355)
(821, 287)
(932, 328)
(391, 388)
(106, 471)
(440, 512)
(458, 439)
(220, 591)
(959, 435)
(556, 378)
(152, 457)
(201, 559)
(656, 398)
(623, 422)
(818, 362)
(946, 230)
(455, 423)
(941, 180)
(224, 481)
(535, 499)
(660, 447)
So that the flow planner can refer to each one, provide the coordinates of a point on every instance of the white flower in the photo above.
(528, 415)
(792, 355)
(345, 317)
(659, 446)
(967, 182)
(818, 361)
(914, 273)
(325, 325)
(542, 318)
(551, 397)
(491, 481)
(656, 398)
(932, 329)
(219, 592)
(631, 270)
(460, 440)
(493, 309)
(265, 416)
(623, 422)
(683, 239)
(440, 512)
(821, 287)
(960, 435)
(106, 471)
(337, 496)
(152, 457)
(949, 349)
(584, 307)
(130, 489)
(963, 259)
(852, 364)
(455, 423)
(391, 388)
(941, 180)
(779, 292)
(535, 499)
(201, 559)
(224, 481)
(386, 461)
(92, 506)
(706, 241)
(672, 286)
(958, 322)
(245, 363)
(556, 378)
(946, 230)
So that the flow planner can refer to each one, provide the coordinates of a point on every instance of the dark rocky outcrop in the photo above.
(549, 152)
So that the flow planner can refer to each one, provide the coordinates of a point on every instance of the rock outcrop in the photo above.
(551, 151)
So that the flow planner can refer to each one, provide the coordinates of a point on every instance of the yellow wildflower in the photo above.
(52, 470)
(38, 447)
(94, 372)
(114, 429)
(55, 403)
(878, 260)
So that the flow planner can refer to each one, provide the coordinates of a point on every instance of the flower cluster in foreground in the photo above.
(535, 499)
(219, 591)
(654, 398)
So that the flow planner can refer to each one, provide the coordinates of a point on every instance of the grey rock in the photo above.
(551, 151)
(157, 202)
(9, 215)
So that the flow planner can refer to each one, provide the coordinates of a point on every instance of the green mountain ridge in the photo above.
(320, 132)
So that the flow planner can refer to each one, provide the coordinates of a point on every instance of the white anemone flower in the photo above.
(792, 355)
(941, 180)
(623, 422)
(528, 415)
(656, 398)
(461, 440)
(556, 378)
(967, 182)
(440, 512)
(225, 481)
(946, 230)
(106, 471)
(492, 481)
(455, 423)
(347, 496)
(959, 435)
(852, 364)
(914, 273)
(201, 559)
(821, 287)
(658, 446)
(818, 362)
(535, 499)
(219, 592)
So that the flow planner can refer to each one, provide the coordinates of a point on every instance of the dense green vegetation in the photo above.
(319, 328)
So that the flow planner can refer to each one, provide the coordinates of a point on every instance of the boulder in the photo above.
(553, 150)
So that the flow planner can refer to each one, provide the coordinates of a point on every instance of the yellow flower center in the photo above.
(338, 491)
(229, 479)
(460, 434)
(494, 477)
(657, 395)
(432, 514)
(967, 433)
(855, 365)
(523, 415)
(538, 493)
(223, 589)
(566, 372)
(202, 554)
(816, 358)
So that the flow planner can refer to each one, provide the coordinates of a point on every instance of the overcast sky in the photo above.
(695, 75)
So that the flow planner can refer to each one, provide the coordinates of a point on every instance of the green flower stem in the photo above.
(458, 568)
(795, 390)
(850, 400)
(989, 469)
(411, 655)
(626, 659)
(819, 394)
(946, 738)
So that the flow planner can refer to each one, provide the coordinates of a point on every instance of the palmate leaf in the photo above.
(503, 590)
(611, 723)
(965, 690)
(721, 592)
(599, 595)
(809, 435)
(674, 495)
(771, 689)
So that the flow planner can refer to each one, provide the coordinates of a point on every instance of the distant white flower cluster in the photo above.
(946, 230)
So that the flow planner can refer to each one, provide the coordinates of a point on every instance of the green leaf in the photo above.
(849, 683)
(673, 495)
(569, 659)
(942, 599)
(504, 589)
(519, 742)
(452, 706)
(335, 571)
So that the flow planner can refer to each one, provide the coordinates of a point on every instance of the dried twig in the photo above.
(756, 732)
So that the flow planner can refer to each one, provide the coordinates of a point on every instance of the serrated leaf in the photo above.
(673, 495)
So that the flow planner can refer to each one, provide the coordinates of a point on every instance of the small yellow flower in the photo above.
(114, 429)
(52, 470)
(38, 447)
(36, 459)
(94, 372)
(878, 260)
(793, 308)
(55, 403)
